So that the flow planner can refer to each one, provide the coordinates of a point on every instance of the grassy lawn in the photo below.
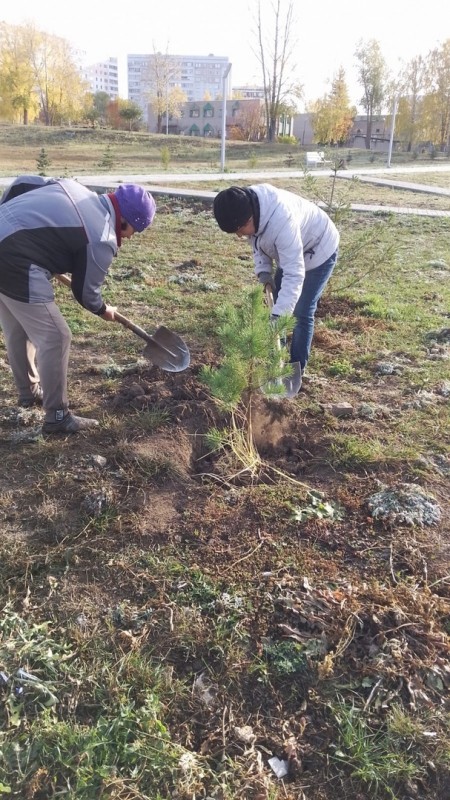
(184, 624)
(345, 192)
(84, 151)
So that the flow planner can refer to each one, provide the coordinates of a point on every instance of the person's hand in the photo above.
(266, 278)
(109, 313)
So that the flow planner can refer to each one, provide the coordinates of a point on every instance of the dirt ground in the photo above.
(369, 599)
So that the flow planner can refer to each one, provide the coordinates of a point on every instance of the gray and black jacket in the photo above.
(60, 227)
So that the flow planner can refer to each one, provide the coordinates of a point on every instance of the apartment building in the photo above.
(248, 92)
(199, 77)
(204, 118)
(103, 77)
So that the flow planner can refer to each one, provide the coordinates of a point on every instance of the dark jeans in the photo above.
(313, 286)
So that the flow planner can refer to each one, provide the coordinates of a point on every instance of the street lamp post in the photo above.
(391, 138)
(167, 109)
(224, 117)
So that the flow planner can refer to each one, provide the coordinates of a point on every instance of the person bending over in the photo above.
(51, 226)
(295, 249)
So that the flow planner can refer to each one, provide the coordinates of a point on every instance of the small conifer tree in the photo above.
(252, 363)
(165, 156)
(107, 159)
(43, 162)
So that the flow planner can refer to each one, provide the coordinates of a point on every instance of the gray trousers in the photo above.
(38, 344)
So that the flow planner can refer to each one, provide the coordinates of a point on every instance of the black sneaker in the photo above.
(34, 400)
(70, 424)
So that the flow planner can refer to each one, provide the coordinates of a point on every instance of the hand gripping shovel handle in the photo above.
(165, 349)
(127, 323)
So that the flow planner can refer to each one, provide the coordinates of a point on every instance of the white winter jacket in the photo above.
(295, 234)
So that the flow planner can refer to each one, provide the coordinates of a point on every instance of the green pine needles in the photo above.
(252, 361)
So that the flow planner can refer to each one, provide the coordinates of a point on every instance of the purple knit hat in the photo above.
(137, 206)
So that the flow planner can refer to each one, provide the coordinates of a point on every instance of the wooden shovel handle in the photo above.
(269, 295)
(269, 298)
(64, 280)
(127, 323)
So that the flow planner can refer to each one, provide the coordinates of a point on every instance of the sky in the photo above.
(326, 34)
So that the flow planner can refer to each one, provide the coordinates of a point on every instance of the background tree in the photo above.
(439, 90)
(130, 112)
(113, 115)
(91, 113)
(332, 114)
(57, 78)
(251, 121)
(175, 100)
(164, 91)
(100, 103)
(275, 54)
(17, 89)
(372, 75)
(410, 90)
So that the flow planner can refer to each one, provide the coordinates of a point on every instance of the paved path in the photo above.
(156, 184)
(208, 197)
(409, 187)
(193, 177)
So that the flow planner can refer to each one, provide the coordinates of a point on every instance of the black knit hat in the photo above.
(232, 208)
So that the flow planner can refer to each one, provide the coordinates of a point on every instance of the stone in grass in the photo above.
(407, 504)
(341, 409)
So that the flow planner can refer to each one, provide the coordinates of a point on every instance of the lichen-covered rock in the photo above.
(407, 504)
(373, 411)
(95, 503)
(443, 388)
(442, 336)
(388, 368)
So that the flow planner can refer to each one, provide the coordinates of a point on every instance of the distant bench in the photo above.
(314, 158)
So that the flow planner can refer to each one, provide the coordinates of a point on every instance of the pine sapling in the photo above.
(43, 162)
(252, 361)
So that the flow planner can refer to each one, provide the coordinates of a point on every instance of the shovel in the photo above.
(164, 348)
(289, 385)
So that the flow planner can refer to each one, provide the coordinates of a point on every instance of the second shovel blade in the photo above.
(287, 387)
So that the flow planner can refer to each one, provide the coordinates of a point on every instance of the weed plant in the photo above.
(379, 759)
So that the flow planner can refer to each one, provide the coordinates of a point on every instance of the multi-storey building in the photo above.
(199, 77)
(248, 92)
(103, 77)
(244, 119)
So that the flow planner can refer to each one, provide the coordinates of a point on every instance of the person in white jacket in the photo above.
(295, 249)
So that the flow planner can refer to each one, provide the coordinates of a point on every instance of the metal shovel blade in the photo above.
(286, 387)
(167, 350)
(164, 348)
